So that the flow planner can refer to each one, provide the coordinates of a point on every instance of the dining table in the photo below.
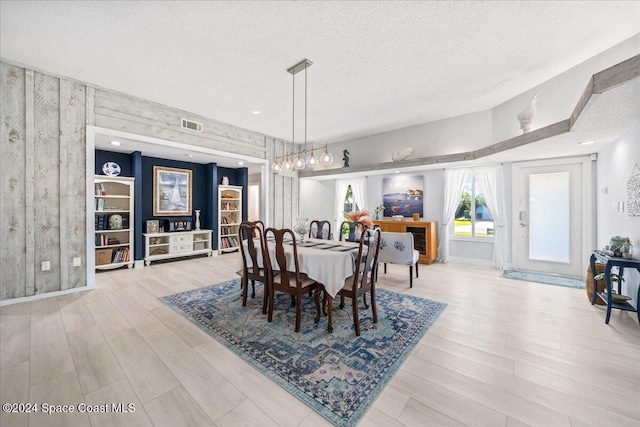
(328, 262)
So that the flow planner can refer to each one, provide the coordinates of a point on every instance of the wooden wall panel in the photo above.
(12, 174)
(43, 170)
(47, 182)
(73, 138)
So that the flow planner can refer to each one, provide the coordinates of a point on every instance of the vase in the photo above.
(302, 227)
(115, 222)
(197, 219)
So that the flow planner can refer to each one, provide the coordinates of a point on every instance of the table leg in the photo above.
(330, 321)
(607, 281)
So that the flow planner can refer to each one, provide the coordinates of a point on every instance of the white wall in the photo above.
(614, 166)
(317, 199)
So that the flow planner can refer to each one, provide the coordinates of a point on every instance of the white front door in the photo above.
(552, 216)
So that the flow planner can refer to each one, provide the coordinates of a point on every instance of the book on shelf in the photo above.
(99, 189)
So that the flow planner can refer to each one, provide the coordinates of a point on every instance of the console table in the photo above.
(610, 262)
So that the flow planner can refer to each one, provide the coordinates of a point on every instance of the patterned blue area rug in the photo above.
(547, 279)
(338, 375)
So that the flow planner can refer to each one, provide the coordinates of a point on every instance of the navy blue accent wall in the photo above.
(136, 168)
(212, 203)
(122, 159)
(242, 177)
(204, 189)
(198, 188)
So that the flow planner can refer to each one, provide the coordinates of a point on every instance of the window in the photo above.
(349, 204)
(473, 218)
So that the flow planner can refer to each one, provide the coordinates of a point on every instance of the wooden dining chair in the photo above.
(248, 233)
(290, 280)
(352, 226)
(363, 280)
(318, 231)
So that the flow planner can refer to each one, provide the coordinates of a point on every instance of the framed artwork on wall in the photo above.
(171, 191)
(402, 195)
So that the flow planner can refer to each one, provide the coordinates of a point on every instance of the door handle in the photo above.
(523, 218)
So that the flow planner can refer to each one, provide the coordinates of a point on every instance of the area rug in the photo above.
(547, 279)
(339, 375)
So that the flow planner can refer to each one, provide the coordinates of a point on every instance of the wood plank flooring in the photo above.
(503, 353)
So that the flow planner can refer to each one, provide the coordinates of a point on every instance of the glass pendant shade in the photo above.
(326, 158)
(287, 165)
(275, 167)
(312, 162)
(298, 163)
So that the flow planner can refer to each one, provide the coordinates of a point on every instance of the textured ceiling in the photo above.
(377, 65)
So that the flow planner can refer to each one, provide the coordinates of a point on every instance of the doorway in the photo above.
(552, 220)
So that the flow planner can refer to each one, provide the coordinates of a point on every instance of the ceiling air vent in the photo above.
(191, 125)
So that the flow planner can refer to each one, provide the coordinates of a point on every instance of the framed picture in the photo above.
(402, 195)
(171, 191)
(153, 226)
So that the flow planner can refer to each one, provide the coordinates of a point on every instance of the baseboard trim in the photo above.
(473, 262)
(45, 295)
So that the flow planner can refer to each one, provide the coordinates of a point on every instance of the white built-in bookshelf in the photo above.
(229, 217)
(113, 206)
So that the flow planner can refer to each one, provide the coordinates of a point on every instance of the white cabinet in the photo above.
(229, 217)
(113, 215)
(159, 246)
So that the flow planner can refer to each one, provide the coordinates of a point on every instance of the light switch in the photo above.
(77, 262)
(46, 265)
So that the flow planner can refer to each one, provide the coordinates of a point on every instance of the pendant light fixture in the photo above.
(293, 160)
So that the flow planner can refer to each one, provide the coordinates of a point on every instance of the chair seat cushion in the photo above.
(304, 280)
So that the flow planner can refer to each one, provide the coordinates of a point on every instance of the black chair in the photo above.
(251, 233)
(319, 231)
(290, 280)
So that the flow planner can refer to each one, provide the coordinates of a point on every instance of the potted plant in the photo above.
(615, 278)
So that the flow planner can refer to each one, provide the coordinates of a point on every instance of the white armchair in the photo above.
(397, 248)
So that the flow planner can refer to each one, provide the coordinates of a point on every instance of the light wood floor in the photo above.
(503, 353)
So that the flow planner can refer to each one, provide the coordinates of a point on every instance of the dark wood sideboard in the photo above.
(425, 236)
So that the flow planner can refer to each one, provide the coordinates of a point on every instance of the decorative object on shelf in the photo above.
(378, 209)
(302, 228)
(111, 169)
(225, 180)
(402, 194)
(197, 219)
(616, 243)
(526, 116)
(177, 224)
(397, 218)
(633, 192)
(402, 154)
(153, 226)
(345, 158)
(115, 222)
(296, 161)
(626, 250)
(360, 216)
(416, 217)
(171, 191)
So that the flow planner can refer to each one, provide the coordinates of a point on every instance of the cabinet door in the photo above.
(393, 228)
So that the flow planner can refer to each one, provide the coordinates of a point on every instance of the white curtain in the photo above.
(359, 190)
(454, 181)
(490, 181)
(342, 185)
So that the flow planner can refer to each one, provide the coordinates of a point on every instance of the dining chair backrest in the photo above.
(367, 261)
(250, 233)
(317, 229)
(257, 223)
(280, 261)
(398, 248)
(353, 227)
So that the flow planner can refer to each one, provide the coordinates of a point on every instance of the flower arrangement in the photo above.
(379, 208)
(360, 216)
